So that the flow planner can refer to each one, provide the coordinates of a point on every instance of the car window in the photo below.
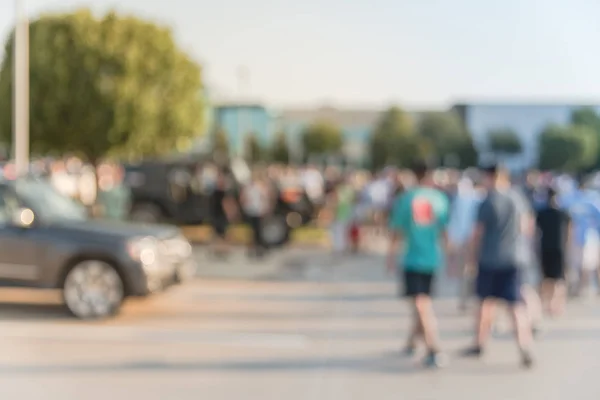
(48, 203)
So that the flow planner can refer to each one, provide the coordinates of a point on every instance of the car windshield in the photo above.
(48, 203)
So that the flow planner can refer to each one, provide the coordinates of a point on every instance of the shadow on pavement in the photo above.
(290, 315)
(282, 298)
(27, 311)
(349, 364)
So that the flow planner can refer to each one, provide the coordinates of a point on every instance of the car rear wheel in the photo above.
(93, 289)
(146, 213)
(275, 230)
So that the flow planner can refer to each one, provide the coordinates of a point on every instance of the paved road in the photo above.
(305, 327)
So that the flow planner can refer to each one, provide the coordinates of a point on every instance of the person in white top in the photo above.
(463, 216)
(313, 183)
(62, 181)
(256, 203)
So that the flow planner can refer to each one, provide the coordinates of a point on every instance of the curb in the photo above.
(240, 234)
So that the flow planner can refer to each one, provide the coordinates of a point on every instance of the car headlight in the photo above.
(184, 248)
(143, 249)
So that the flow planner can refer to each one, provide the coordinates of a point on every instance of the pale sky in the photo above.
(418, 53)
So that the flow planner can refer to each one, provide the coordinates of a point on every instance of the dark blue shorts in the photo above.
(502, 284)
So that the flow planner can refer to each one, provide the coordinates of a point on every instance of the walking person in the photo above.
(584, 210)
(460, 227)
(497, 247)
(419, 218)
(554, 226)
(223, 209)
(343, 206)
(256, 201)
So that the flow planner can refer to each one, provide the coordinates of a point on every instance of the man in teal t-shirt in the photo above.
(419, 217)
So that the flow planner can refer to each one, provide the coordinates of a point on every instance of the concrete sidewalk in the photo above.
(237, 265)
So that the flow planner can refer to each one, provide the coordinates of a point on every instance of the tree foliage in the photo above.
(254, 151)
(110, 85)
(505, 141)
(280, 152)
(322, 137)
(447, 138)
(465, 151)
(393, 140)
(567, 148)
(588, 117)
(220, 142)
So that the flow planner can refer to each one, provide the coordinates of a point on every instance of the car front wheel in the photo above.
(93, 289)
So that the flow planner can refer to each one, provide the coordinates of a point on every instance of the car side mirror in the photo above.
(23, 218)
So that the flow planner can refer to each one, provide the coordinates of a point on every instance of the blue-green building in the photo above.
(238, 120)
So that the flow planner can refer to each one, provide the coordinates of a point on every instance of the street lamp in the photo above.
(21, 89)
(243, 78)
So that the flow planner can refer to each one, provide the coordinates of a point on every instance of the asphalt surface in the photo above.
(299, 325)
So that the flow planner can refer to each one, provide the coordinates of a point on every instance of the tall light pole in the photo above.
(243, 77)
(21, 89)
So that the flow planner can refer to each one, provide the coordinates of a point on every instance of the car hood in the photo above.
(119, 229)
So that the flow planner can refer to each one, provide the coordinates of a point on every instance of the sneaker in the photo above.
(435, 360)
(473, 352)
(526, 359)
(409, 351)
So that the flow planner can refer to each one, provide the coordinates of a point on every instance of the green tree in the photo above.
(403, 151)
(447, 137)
(588, 117)
(322, 137)
(254, 151)
(280, 151)
(220, 142)
(504, 141)
(465, 151)
(393, 140)
(567, 148)
(115, 84)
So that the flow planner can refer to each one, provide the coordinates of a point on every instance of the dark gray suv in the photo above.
(48, 241)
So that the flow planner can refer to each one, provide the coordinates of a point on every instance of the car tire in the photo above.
(93, 289)
(146, 213)
(275, 230)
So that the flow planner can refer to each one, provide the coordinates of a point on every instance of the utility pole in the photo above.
(21, 89)
(243, 79)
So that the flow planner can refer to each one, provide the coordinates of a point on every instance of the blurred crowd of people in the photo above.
(527, 240)
(100, 188)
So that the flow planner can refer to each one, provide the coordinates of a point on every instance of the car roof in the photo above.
(10, 182)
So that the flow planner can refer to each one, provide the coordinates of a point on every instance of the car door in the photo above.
(196, 206)
(18, 250)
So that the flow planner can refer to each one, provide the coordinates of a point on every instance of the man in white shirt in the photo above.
(313, 183)
(62, 181)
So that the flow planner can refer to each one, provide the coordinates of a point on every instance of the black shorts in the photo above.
(417, 283)
(553, 264)
(220, 226)
(502, 284)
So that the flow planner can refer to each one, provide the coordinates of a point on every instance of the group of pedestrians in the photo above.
(493, 238)
(256, 201)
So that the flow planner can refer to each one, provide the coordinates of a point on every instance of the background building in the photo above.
(526, 120)
(240, 120)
